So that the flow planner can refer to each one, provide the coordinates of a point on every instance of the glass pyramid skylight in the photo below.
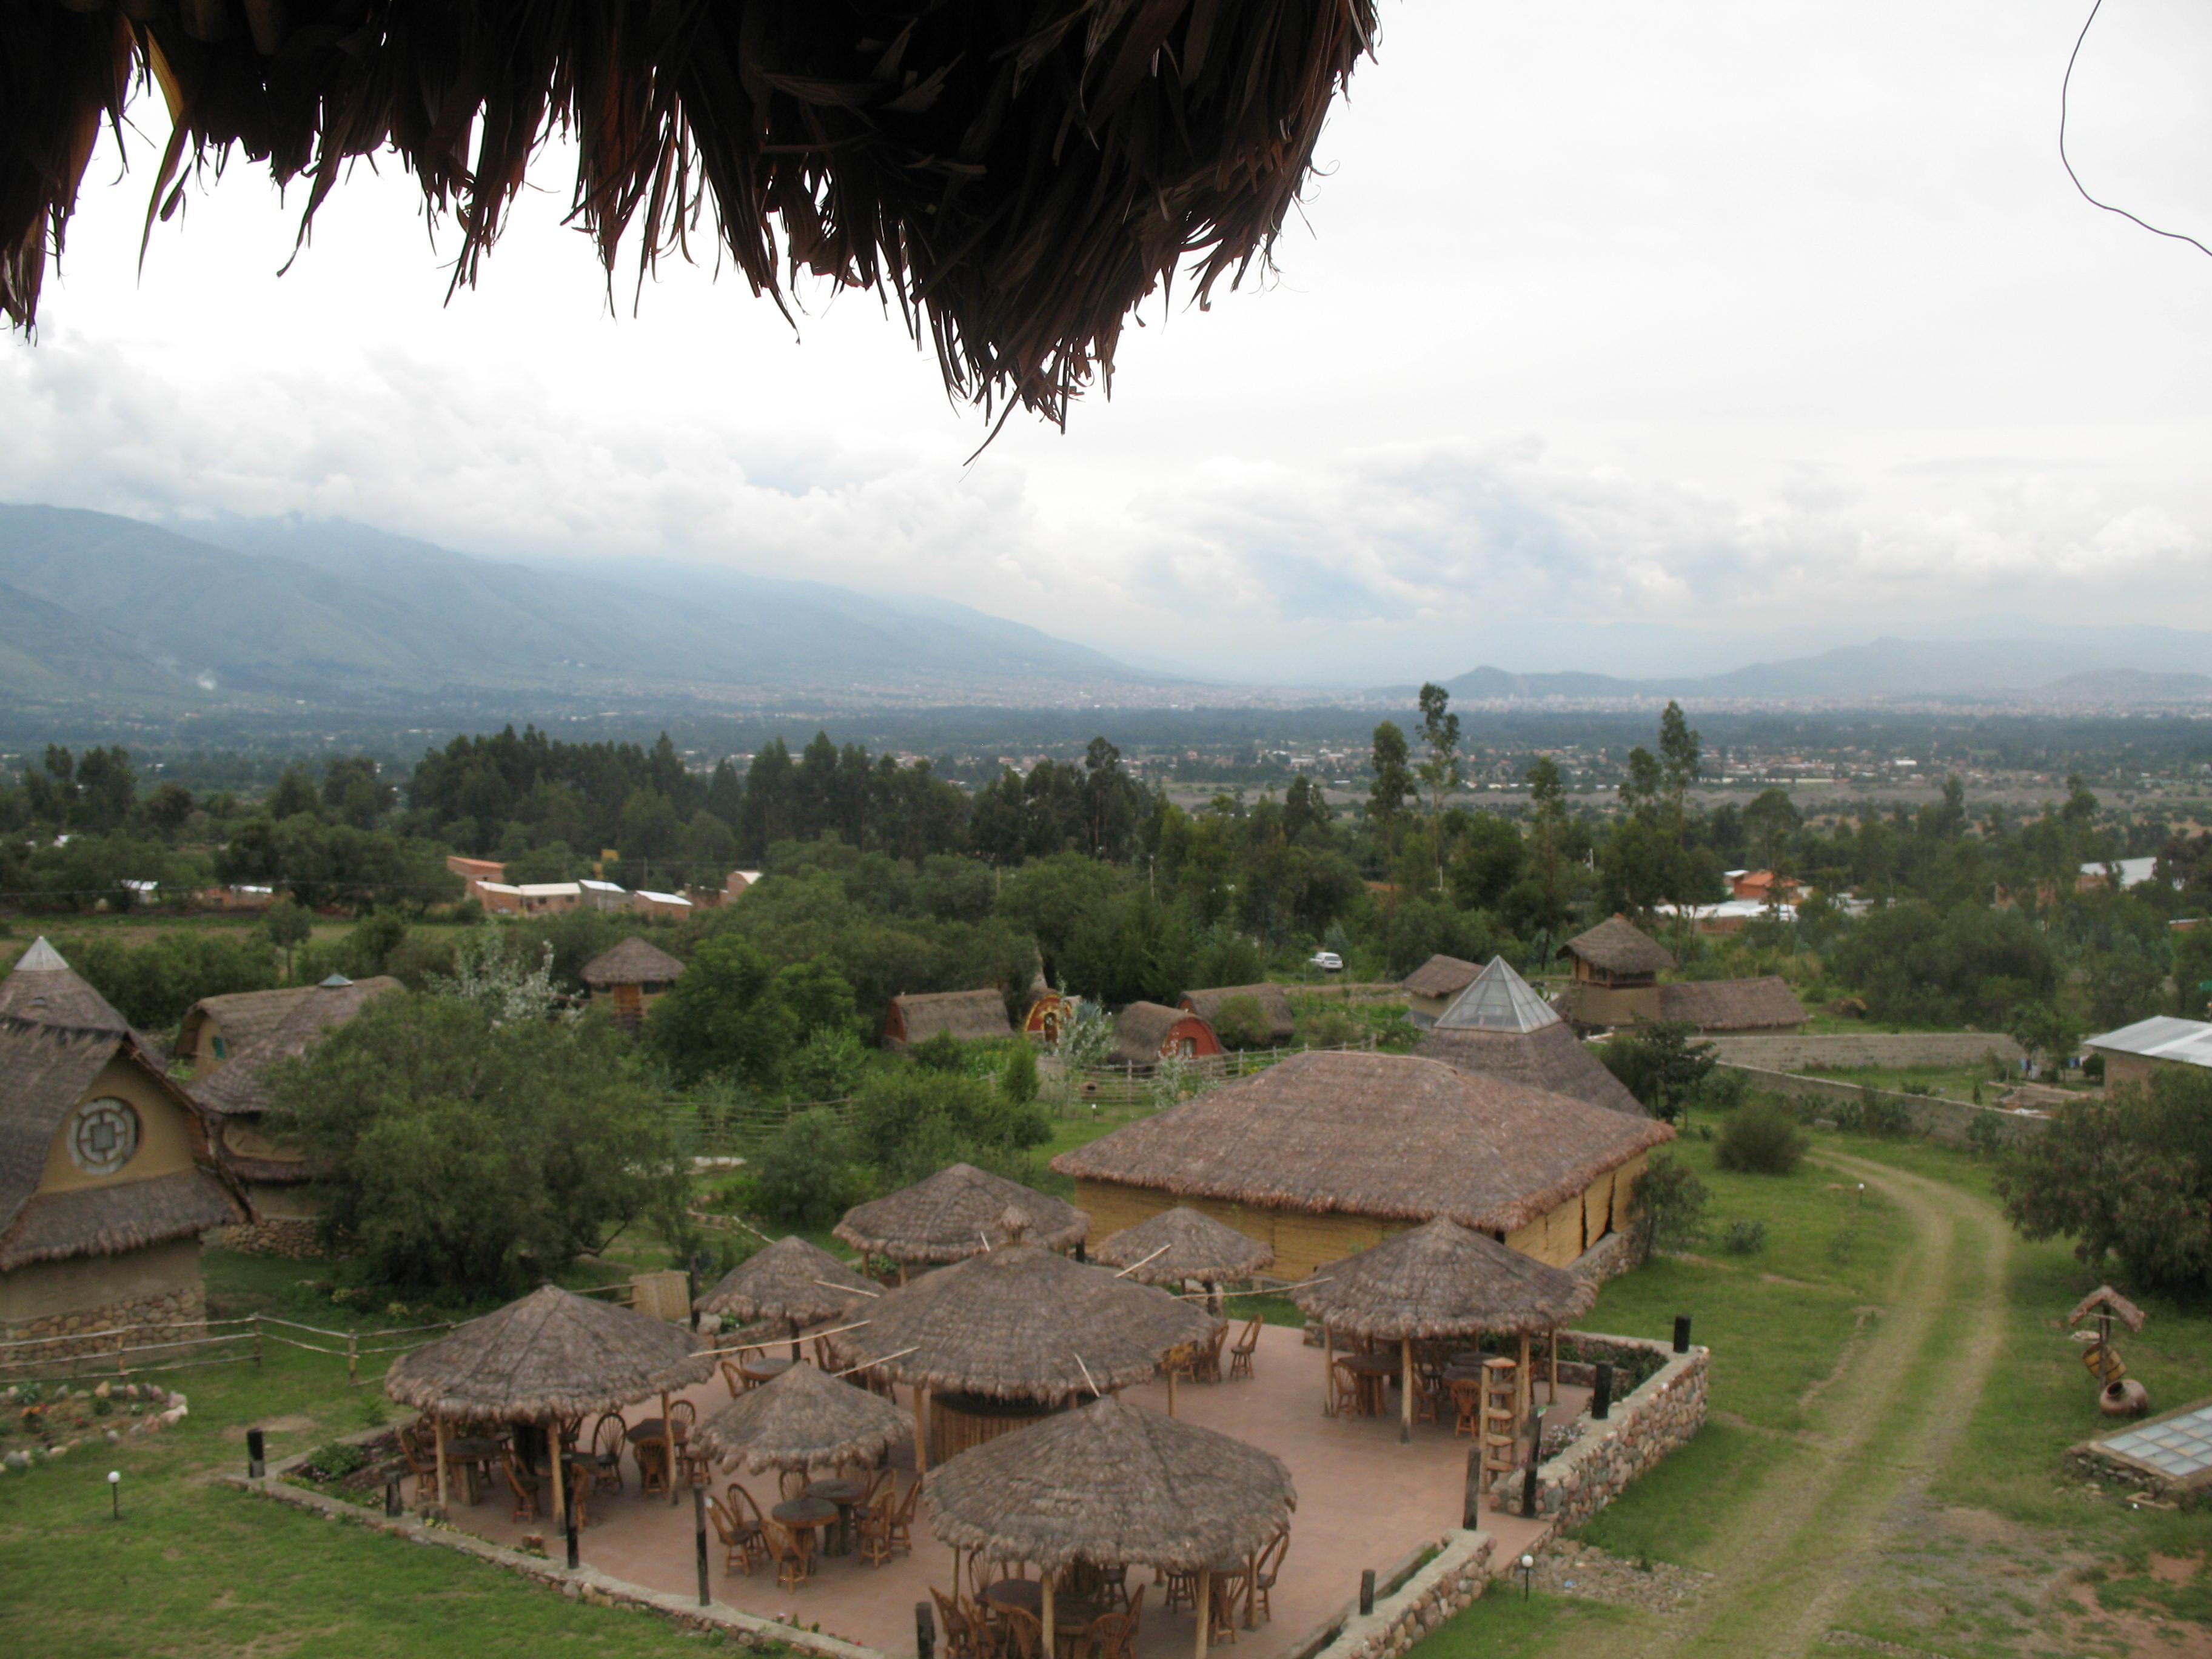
(1499, 1000)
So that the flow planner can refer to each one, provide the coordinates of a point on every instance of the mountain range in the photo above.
(91, 605)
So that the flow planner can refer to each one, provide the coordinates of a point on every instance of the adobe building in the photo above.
(106, 1176)
(1616, 982)
(2135, 1054)
(1146, 1033)
(1430, 987)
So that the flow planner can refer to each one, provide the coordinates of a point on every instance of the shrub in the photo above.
(1672, 1201)
(804, 1176)
(829, 1064)
(1883, 1115)
(1984, 1136)
(1241, 1023)
(1018, 1078)
(941, 1052)
(1760, 1139)
(1744, 1237)
(337, 1461)
(1333, 1028)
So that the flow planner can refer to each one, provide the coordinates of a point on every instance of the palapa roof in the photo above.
(1618, 946)
(1386, 1135)
(790, 1279)
(1017, 176)
(1182, 1243)
(45, 1071)
(2105, 1298)
(553, 1353)
(634, 961)
(238, 1088)
(1442, 1280)
(1112, 1484)
(970, 1016)
(804, 1419)
(1274, 1003)
(1021, 1323)
(1732, 1005)
(1498, 1026)
(957, 1211)
(44, 989)
(1141, 1030)
(1440, 976)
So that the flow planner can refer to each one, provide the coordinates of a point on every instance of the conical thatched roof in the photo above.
(46, 990)
(1617, 946)
(551, 1354)
(804, 1419)
(1017, 176)
(1442, 1280)
(1021, 1323)
(957, 1212)
(1190, 1245)
(1112, 1484)
(790, 1279)
(634, 961)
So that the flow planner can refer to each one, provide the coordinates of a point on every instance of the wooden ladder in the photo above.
(1501, 1420)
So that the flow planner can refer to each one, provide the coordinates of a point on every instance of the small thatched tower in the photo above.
(1499, 1027)
(957, 1212)
(1430, 987)
(1616, 973)
(630, 978)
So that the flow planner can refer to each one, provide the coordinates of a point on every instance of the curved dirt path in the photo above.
(1796, 1546)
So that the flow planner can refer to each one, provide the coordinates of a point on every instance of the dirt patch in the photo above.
(2091, 1628)
(1583, 1570)
(2175, 1569)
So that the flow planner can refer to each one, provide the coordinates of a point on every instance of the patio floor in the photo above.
(1363, 1501)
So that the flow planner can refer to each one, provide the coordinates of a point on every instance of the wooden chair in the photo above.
(524, 1484)
(1178, 1589)
(1113, 1635)
(737, 1523)
(609, 1438)
(1349, 1399)
(1207, 1366)
(1240, 1356)
(1266, 1567)
(422, 1465)
(961, 1637)
(1024, 1634)
(1228, 1590)
(787, 1548)
(1467, 1408)
(682, 1422)
(732, 1378)
(873, 1525)
(1428, 1397)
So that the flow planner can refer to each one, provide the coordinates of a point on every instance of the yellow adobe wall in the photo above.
(165, 1132)
(1592, 1004)
(48, 1290)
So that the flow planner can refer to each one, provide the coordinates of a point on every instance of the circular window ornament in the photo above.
(104, 1137)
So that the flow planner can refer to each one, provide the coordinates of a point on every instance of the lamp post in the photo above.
(115, 1494)
(1528, 1573)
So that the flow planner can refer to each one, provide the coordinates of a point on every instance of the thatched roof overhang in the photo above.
(1617, 946)
(552, 1354)
(130, 1215)
(1442, 1280)
(1181, 1244)
(804, 1419)
(957, 1212)
(1384, 1135)
(1112, 1484)
(43, 988)
(976, 1015)
(791, 1280)
(1732, 1005)
(1440, 976)
(633, 961)
(242, 1016)
(1019, 177)
(1021, 1323)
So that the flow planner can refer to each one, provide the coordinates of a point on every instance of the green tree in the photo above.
(725, 1016)
(1440, 767)
(1241, 1023)
(1393, 783)
(1662, 1064)
(462, 1156)
(805, 1175)
(1770, 820)
(1680, 760)
(287, 925)
(1547, 793)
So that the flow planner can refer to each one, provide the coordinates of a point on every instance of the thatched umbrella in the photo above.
(805, 1420)
(1019, 1324)
(1183, 1244)
(1442, 1280)
(1018, 176)
(792, 1280)
(547, 1358)
(1114, 1485)
(956, 1214)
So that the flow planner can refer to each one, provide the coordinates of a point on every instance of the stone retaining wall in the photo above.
(1455, 1580)
(1946, 1121)
(1644, 1426)
(289, 1237)
(1611, 1256)
(1885, 1049)
(172, 1313)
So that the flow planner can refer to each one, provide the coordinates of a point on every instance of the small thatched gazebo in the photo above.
(806, 1420)
(1442, 1280)
(1112, 1484)
(549, 1358)
(1183, 1243)
(956, 1214)
(791, 1280)
(1001, 1339)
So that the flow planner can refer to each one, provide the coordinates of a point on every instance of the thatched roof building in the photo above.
(1497, 1026)
(957, 1211)
(1017, 177)
(1274, 1007)
(1146, 1033)
(804, 1419)
(790, 1280)
(1429, 988)
(552, 1355)
(1766, 1004)
(1112, 1484)
(634, 961)
(1023, 1324)
(1326, 1154)
(1442, 1280)
(1617, 949)
(970, 1016)
(1183, 1243)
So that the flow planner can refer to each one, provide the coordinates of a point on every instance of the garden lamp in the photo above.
(1528, 1573)
(115, 1494)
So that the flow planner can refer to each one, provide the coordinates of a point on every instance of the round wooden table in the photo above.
(844, 1494)
(1374, 1372)
(1027, 1594)
(804, 1515)
(473, 1455)
(763, 1367)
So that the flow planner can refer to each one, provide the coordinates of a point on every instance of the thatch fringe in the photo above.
(1440, 1280)
(790, 1280)
(957, 1211)
(1181, 1244)
(804, 1419)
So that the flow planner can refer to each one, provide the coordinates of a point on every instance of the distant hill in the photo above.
(331, 611)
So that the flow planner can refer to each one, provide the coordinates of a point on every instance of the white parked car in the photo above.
(1328, 961)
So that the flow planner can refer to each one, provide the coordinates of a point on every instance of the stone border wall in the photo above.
(1940, 1120)
(1613, 1255)
(1451, 1582)
(1886, 1048)
(1644, 1427)
(289, 1237)
(170, 1313)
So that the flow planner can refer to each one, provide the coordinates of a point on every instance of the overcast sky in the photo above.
(1614, 336)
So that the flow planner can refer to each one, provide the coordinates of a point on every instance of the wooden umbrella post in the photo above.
(1045, 1618)
(668, 1445)
(1524, 1388)
(1204, 1607)
(1406, 1396)
(560, 1491)
(1552, 1347)
(921, 1429)
(1171, 1382)
(1328, 1372)
(440, 1423)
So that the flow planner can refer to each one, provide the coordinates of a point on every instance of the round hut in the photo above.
(1002, 1339)
(1442, 1280)
(1181, 1244)
(1111, 1484)
(630, 978)
(548, 1360)
(805, 1420)
(957, 1214)
(790, 1280)
(1146, 1033)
